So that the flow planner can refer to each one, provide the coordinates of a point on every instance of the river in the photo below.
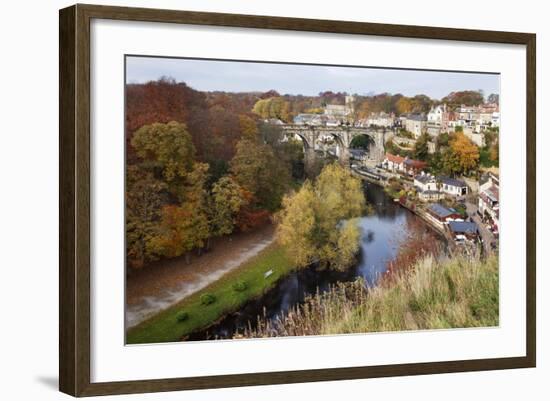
(382, 233)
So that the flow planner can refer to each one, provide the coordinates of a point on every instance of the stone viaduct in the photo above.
(342, 135)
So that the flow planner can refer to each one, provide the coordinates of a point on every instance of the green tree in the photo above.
(436, 163)
(421, 147)
(291, 153)
(389, 147)
(493, 98)
(361, 142)
(227, 201)
(256, 169)
(494, 153)
(317, 223)
(270, 134)
(441, 142)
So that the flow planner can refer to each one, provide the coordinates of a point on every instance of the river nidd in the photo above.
(382, 233)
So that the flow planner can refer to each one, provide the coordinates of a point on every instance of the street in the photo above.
(486, 235)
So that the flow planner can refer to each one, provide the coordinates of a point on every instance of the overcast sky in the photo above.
(232, 76)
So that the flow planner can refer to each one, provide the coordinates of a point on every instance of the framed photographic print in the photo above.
(250, 200)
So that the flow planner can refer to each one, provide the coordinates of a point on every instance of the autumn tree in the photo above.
(403, 106)
(462, 156)
(274, 107)
(181, 223)
(364, 109)
(249, 128)
(421, 104)
(224, 131)
(317, 224)
(166, 148)
(144, 197)
(185, 226)
(297, 223)
(468, 98)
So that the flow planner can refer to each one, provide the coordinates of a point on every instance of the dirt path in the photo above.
(164, 283)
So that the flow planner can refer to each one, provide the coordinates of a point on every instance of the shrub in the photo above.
(207, 299)
(240, 286)
(182, 316)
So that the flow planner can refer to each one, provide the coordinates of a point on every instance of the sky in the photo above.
(234, 76)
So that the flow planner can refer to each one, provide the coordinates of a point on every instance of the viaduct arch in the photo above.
(342, 134)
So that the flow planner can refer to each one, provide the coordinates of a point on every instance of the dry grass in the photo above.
(449, 292)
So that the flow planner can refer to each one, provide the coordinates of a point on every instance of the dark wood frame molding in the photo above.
(74, 198)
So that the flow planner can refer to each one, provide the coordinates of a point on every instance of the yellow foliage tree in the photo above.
(249, 128)
(317, 223)
(297, 224)
(403, 105)
(464, 152)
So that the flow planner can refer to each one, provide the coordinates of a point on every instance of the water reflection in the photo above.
(381, 234)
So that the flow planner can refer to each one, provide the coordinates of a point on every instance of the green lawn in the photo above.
(165, 327)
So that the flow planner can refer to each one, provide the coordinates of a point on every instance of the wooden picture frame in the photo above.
(74, 204)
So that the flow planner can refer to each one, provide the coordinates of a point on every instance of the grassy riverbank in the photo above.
(228, 294)
(436, 294)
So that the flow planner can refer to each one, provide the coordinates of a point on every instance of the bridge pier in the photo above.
(309, 161)
(344, 157)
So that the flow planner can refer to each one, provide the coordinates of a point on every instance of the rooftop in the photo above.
(417, 117)
(440, 210)
(415, 163)
(492, 193)
(463, 227)
(452, 181)
(424, 178)
(395, 158)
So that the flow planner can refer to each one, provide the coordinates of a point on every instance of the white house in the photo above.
(341, 111)
(452, 186)
(381, 120)
(488, 201)
(416, 123)
(394, 163)
(309, 119)
(437, 120)
(426, 187)
(438, 114)
(475, 136)
(336, 110)
(495, 119)
(425, 182)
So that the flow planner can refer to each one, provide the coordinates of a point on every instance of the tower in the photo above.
(350, 104)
